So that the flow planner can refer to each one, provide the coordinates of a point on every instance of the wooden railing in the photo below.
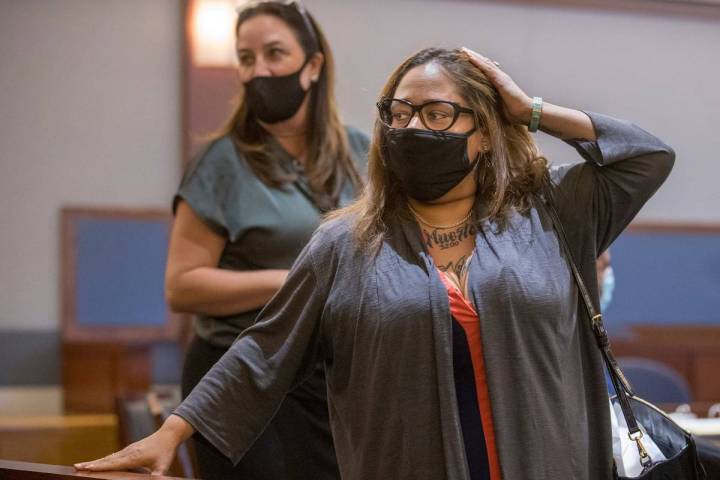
(10, 470)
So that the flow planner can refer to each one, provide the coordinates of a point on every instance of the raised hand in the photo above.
(516, 104)
(561, 122)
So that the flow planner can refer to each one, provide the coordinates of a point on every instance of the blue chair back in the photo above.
(653, 381)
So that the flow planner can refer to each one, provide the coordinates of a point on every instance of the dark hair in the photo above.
(328, 160)
(508, 175)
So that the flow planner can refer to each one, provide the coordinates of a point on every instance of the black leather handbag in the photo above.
(677, 445)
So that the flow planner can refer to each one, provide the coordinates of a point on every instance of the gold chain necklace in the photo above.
(440, 227)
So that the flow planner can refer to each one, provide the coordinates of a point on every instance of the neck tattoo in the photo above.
(444, 239)
(458, 268)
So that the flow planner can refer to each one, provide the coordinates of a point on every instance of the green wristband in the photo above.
(537, 105)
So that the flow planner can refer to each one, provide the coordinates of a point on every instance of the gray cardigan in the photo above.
(382, 327)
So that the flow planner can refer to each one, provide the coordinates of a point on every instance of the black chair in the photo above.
(141, 415)
(135, 418)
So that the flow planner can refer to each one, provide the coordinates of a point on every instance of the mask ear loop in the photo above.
(485, 156)
(476, 162)
(314, 79)
(480, 173)
(305, 63)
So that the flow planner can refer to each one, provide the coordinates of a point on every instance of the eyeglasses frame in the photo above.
(417, 109)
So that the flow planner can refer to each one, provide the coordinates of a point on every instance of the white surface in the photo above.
(698, 426)
(26, 401)
(625, 450)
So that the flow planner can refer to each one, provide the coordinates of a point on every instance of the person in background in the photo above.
(605, 279)
(246, 209)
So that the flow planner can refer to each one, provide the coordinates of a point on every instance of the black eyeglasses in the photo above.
(437, 115)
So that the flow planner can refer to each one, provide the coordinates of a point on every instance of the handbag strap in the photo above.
(620, 382)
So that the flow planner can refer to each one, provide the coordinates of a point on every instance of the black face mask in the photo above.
(428, 164)
(274, 99)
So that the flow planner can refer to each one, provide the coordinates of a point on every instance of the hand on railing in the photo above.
(153, 454)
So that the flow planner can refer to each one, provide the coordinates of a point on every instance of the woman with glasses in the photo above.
(245, 210)
(441, 303)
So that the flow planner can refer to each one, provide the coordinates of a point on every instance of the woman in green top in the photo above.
(245, 210)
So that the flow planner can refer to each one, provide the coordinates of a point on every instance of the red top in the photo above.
(465, 314)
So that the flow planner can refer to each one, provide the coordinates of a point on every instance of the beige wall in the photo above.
(90, 102)
(660, 71)
(89, 114)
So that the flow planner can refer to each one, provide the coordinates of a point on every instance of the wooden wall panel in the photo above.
(94, 374)
(694, 352)
(209, 95)
(707, 375)
(211, 100)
